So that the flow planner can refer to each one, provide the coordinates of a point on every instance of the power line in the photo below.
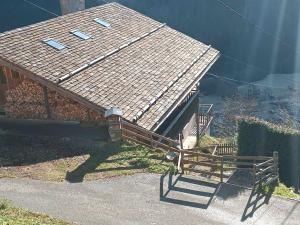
(243, 82)
(41, 8)
(253, 24)
(243, 62)
(106, 1)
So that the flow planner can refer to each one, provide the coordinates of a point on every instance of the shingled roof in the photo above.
(137, 64)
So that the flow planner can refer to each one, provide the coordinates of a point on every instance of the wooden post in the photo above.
(222, 169)
(254, 174)
(179, 162)
(114, 117)
(275, 159)
(181, 140)
(46, 100)
(198, 122)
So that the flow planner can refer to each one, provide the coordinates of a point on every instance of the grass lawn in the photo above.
(75, 160)
(10, 215)
(286, 192)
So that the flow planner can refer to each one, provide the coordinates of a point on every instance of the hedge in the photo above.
(258, 137)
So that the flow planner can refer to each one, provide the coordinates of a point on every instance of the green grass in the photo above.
(75, 161)
(286, 192)
(210, 140)
(10, 215)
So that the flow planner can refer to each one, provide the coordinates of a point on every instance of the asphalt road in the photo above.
(146, 199)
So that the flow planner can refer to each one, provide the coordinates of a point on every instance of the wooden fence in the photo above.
(204, 118)
(227, 149)
(204, 164)
(266, 172)
(148, 138)
(264, 169)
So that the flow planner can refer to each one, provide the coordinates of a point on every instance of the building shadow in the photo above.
(168, 184)
(24, 143)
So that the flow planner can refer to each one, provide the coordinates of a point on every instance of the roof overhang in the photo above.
(183, 97)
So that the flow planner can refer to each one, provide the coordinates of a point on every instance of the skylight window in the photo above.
(54, 44)
(102, 22)
(81, 35)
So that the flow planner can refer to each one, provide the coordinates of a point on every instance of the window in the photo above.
(2, 76)
(15, 75)
(81, 35)
(54, 44)
(102, 22)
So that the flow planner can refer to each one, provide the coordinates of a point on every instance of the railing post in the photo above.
(114, 118)
(222, 169)
(181, 140)
(179, 162)
(254, 174)
(197, 127)
(275, 159)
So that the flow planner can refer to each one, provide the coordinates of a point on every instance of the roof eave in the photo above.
(187, 91)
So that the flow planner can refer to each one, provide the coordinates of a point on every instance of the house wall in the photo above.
(23, 98)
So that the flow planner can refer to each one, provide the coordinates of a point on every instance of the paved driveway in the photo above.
(146, 199)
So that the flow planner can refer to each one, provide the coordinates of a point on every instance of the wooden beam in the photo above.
(46, 102)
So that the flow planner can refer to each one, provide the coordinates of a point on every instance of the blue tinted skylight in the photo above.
(102, 22)
(81, 35)
(54, 44)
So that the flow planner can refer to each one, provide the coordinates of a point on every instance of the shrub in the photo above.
(257, 137)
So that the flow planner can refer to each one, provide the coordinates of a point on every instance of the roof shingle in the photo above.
(138, 65)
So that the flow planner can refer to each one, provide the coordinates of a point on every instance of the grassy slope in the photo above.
(11, 215)
(76, 162)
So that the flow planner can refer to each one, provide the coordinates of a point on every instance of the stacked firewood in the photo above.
(26, 101)
(65, 109)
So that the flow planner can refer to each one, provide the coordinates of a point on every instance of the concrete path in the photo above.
(146, 199)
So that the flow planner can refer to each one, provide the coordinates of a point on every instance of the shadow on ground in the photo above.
(27, 144)
(91, 164)
(237, 183)
(193, 192)
(177, 189)
(257, 199)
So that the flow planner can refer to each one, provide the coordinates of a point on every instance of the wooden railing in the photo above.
(266, 172)
(264, 169)
(204, 164)
(148, 138)
(227, 149)
(204, 118)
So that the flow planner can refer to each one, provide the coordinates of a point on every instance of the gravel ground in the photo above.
(146, 199)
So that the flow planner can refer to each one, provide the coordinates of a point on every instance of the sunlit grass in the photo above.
(10, 215)
(286, 192)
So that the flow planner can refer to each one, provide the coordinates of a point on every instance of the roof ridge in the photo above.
(102, 57)
(171, 84)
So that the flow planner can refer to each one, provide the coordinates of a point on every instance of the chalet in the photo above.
(78, 66)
